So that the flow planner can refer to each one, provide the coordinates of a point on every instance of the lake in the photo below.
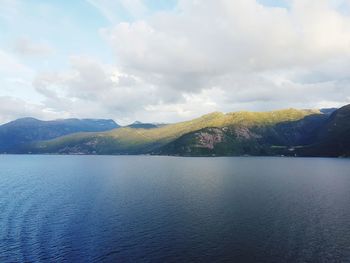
(173, 209)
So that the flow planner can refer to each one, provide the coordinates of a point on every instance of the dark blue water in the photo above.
(167, 209)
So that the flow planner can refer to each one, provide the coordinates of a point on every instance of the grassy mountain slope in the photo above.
(136, 141)
(251, 138)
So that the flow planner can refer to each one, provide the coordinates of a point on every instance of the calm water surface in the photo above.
(167, 209)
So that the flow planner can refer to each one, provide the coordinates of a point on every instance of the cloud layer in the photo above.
(202, 56)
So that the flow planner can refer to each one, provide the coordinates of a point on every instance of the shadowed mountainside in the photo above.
(333, 138)
(26, 130)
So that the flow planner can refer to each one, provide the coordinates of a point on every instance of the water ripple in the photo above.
(150, 209)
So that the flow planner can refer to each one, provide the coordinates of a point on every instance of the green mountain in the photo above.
(287, 132)
(255, 137)
(258, 133)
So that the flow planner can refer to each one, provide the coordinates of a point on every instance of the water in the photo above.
(167, 209)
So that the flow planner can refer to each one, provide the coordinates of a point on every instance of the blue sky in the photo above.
(275, 3)
(157, 60)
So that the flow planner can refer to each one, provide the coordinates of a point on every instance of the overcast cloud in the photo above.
(174, 64)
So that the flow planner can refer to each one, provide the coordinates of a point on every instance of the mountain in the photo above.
(287, 132)
(141, 125)
(262, 135)
(333, 138)
(239, 133)
(328, 111)
(14, 135)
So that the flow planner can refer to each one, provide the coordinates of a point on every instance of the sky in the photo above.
(171, 60)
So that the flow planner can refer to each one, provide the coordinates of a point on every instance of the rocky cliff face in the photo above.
(210, 138)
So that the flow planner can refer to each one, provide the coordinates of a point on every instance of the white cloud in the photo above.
(92, 89)
(15, 77)
(13, 108)
(225, 36)
(204, 56)
(27, 47)
(9, 65)
(243, 48)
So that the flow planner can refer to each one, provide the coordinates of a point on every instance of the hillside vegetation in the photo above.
(288, 132)
(127, 140)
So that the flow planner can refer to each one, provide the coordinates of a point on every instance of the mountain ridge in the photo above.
(126, 140)
(287, 132)
(16, 133)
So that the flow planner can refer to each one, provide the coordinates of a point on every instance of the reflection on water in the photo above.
(139, 208)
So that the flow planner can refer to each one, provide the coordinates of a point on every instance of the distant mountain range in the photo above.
(141, 125)
(17, 134)
(289, 132)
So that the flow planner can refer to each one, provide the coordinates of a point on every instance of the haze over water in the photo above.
(169, 209)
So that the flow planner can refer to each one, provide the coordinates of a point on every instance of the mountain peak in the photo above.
(27, 119)
(141, 125)
(136, 122)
